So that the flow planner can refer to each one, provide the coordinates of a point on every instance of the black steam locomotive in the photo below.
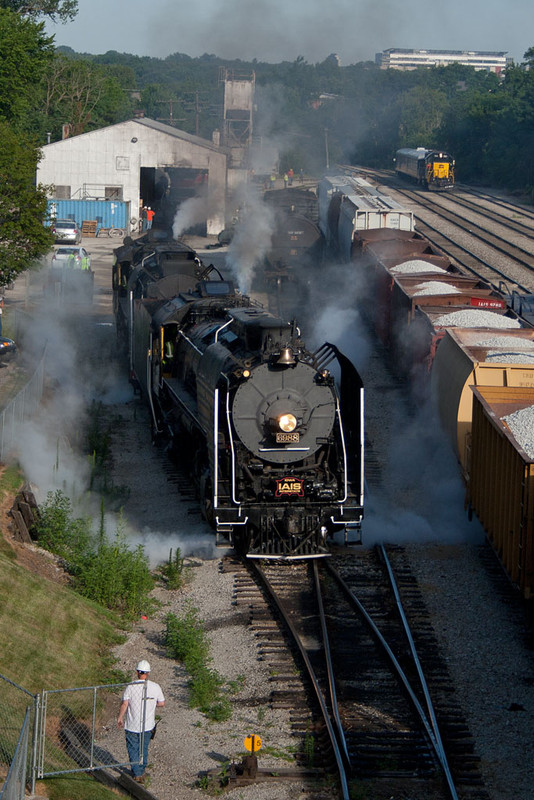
(275, 448)
(297, 248)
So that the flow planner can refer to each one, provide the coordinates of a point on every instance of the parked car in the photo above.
(66, 230)
(74, 257)
(8, 349)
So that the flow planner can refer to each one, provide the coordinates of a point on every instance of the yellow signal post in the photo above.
(253, 743)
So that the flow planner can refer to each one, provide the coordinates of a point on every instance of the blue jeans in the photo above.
(133, 745)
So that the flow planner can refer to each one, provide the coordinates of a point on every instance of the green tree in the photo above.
(63, 10)
(83, 95)
(421, 114)
(23, 238)
(25, 54)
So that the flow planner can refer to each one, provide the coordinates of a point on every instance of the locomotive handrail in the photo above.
(345, 463)
(231, 438)
(222, 327)
(149, 384)
(190, 342)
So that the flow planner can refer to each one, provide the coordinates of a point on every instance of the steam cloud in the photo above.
(81, 369)
(251, 241)
(191, 212)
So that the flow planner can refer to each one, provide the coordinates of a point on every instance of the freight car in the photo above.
(349, 205)
(470, 358)
(432, 169)
(452, 335)
(275, 447)
(501, 488)
(463, 343)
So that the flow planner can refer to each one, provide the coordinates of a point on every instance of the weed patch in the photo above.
(172, 571)
(106, 571)
(187, 642)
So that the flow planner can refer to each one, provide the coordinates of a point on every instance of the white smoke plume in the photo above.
(251, 241)
(421, 498)
(332, 314)
(191, 212)
(81, 369)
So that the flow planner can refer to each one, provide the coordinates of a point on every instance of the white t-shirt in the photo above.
(138, 709)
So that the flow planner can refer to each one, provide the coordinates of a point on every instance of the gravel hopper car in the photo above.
(472, 358)
(464, 343)
(501, 485)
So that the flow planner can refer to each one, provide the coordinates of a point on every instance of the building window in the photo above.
(62, 192)
(113, 192)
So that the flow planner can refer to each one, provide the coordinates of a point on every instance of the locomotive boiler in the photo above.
(274, 445)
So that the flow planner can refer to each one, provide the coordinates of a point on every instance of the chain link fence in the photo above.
(59, 731)
(14, 787)
(78, 730)
(21, 408)
(18, 716)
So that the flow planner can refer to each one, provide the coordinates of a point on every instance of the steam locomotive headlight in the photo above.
(287, 423)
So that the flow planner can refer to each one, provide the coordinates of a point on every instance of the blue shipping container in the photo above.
(107, 213)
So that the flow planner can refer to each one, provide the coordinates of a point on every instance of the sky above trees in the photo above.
(274, 30)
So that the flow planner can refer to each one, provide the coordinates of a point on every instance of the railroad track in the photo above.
(499, 202)
(343, 658)
(521, 260)
(475, 230)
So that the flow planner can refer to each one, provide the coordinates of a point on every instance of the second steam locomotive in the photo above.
(275, 448)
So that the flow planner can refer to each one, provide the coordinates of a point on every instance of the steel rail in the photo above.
(422, 223)
(452, 217)
(495, 216)
(317, 688)
(469, 253)
(329, 665)
(422, 680)
(526, 212)
(436, 746)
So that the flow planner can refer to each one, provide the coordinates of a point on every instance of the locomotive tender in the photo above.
(275, 447)
(297, 248)
(432, 169)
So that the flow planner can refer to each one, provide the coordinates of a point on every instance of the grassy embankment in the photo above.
(51, 638)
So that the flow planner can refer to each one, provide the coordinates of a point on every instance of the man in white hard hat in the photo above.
(139, 703)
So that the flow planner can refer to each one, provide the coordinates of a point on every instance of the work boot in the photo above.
(139, 779)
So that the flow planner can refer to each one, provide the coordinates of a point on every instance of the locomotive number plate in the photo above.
(287, 438)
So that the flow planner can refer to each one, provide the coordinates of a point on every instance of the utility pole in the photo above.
(170, 119)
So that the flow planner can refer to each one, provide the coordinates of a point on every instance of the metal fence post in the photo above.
(37, 715)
